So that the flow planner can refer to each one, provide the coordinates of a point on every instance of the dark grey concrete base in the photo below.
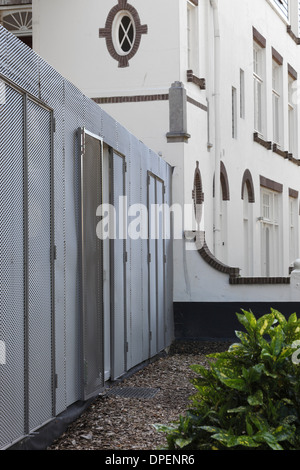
(206, 321)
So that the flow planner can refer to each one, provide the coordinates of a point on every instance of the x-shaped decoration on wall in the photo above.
(123, 32)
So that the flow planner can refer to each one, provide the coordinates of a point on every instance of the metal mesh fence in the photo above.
(51, 296)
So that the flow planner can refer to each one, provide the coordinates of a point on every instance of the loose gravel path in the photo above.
(117, 422)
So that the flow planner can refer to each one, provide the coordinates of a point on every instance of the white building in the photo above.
(212, 87)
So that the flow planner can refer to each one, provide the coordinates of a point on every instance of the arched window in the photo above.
(198, 196)
(224, 198)
(248, 182)
(19, 23)
(248, 200)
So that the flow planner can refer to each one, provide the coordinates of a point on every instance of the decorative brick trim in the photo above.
(293, 193)
(269, 184)
(293, 35)
(248, 181)
(277, 57)
(206, 254)
(258, 280)
(264, 143)
(258, 38)
(200, 82)
(292, 72)
(280, 152)
(224, 183)
(286, 155)
(196, 103)
(234, 273)
(131, 99)
(270, 146)
(107, 32)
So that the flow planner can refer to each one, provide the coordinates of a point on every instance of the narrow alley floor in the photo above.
(123, 417)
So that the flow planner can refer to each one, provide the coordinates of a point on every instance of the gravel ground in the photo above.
(114, 422)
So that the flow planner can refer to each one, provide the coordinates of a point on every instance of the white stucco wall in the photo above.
(162, 60)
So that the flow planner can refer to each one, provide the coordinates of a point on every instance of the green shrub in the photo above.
(249, 396)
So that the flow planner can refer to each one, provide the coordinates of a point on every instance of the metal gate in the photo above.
(92, 265)
(157, 258)
(27, 377)
(118, 269)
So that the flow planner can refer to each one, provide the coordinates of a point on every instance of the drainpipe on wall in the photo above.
(217, 78)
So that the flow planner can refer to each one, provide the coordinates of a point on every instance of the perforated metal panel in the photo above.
(25, 264)
(119, 260)
(152, 266)
(51, 280)
(40, 354)
(12, 405)
(92, 266)
(157, 300)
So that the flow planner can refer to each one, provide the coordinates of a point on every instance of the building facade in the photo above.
(218, 93)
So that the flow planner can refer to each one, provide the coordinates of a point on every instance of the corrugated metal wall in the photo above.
(42, 117)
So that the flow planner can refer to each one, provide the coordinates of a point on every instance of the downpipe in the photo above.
(217, 119)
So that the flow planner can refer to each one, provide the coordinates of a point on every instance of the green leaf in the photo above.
(281, 318)
(244, 338)
(181, 443)
(277, 341)
(211, 429)
(264, 323)
(231, 382)
(247, 319)
(256, 399)
(239, 409)
(268, 438)
(229, 440)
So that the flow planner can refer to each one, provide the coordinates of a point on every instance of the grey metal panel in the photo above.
(74, 116)
(11, 268)
(92, 267)
(109, 130)
(71, 110)
(160, 267)
(119, 324)
(135, 338)
(52, 91)
(169, 262)
(92, 115)
(3, 49)
(39, 266)
(152, 266)
(144, 253)
(22, 65)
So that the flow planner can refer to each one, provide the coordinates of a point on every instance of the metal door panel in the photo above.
(12, 267)
(119, 336)
(160, 266)
(152, 264)
(39, 266)
(92, 271)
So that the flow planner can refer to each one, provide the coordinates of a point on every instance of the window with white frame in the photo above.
(242, 94)
(270, 233)
(258, 57)
(247, 269)
(293, 221)
(283, 7)
(277, 101)
(18, 22)
(292, 116)
(192, 37)
(234, 113)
